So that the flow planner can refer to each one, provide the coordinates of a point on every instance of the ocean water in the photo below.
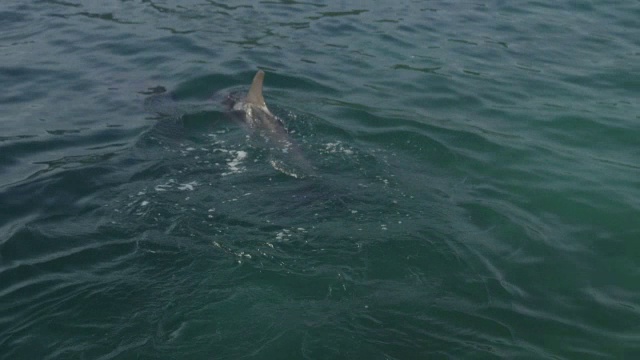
(475, 191)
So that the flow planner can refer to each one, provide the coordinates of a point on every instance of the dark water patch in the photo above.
(296, 25)
(39, 152)
(57, 194)
(104, 16)
(63, 3)
(21, 85)
(16, 137)
(424, 69)
(343, 13)
(9, 17)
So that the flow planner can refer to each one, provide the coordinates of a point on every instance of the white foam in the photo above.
(171, 184)
(283, 234)
(188, 186)
(337, 147)
(162, 187)
(233, 164)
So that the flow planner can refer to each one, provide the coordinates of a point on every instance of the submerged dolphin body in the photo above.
(254, 113)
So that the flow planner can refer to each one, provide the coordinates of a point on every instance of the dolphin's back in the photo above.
(254, 96)
(288, 158)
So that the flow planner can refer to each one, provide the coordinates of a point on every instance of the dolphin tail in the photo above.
(255, 92)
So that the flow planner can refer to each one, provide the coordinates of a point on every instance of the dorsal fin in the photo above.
(255, 93)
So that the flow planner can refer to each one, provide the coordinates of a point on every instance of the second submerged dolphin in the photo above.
(254, 113)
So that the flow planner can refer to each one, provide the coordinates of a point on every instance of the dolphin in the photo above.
(256, 116)
(252, 112)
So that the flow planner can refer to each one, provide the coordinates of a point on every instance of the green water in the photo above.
(475, 190)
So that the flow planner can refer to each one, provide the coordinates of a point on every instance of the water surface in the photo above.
(475, 190)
